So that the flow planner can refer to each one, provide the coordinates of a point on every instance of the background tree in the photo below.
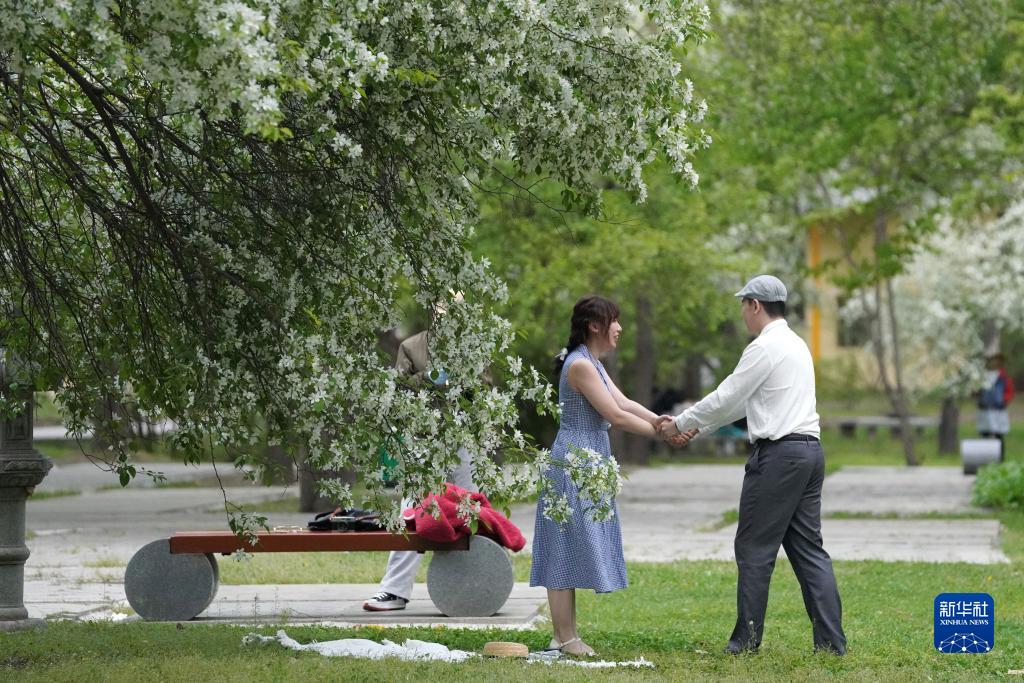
(954, 300)
(857, 117)
(665, 262)
(209, 208)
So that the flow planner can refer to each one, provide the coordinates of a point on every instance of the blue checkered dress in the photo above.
(582, 553)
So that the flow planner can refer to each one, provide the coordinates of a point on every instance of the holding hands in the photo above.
(665, 425)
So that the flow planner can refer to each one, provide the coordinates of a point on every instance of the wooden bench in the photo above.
(176, 578)
(303, 541)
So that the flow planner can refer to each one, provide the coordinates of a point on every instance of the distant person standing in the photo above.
(414, 362)
(993, 418)
(780, 504)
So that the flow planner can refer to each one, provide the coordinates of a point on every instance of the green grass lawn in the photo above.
(46, 495)
(676, 615)
(69, 451)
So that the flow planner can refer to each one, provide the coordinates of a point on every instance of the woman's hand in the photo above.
(665, 425)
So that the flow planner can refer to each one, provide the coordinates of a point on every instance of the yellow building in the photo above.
(833, 341)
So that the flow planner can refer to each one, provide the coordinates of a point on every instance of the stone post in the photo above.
(22, 468)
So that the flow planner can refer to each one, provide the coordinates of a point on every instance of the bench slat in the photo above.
(225, 542)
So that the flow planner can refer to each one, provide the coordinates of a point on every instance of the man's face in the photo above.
(748, 309)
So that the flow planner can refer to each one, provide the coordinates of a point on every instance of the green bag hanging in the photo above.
(388, 462)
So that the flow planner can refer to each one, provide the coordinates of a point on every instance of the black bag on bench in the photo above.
(352, 519)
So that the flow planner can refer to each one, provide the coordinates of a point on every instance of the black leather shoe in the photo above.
(733, 650)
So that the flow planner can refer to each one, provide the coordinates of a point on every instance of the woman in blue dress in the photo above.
(584, 553)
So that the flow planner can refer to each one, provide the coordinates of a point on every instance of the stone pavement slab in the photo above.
(339, 604)
(897, 490)
(975, 541)
(336, 603)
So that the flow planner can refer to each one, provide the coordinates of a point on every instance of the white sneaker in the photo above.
(384, 602)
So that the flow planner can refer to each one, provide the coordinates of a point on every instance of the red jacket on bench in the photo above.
(450, 526)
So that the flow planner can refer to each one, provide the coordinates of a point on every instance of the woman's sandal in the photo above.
(555, 646)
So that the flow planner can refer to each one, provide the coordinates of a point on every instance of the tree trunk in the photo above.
(949, 426)
(990, 337)
(900, 404)
(309, 499)
(693, 387)
(895, 393)
(642, 370)
(280, 467)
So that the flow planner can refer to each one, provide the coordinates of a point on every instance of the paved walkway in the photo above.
(84, 476)
(334, 604)
(80, 544)
(666, 513)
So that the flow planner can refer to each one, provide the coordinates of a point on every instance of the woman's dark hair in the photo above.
(589, 309)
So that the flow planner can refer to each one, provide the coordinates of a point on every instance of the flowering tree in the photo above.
(951, 301)
(208, 208)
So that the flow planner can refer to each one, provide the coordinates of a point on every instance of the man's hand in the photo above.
(666, 426)
(682, 439)
(667, 429)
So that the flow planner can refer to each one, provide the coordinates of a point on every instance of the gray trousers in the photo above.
(781, 505)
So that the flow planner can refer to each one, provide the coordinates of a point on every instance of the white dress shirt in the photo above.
(773, 385)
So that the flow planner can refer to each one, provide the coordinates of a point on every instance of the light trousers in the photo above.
(400, 574)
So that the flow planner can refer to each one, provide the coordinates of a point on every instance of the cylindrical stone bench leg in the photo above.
(977, 453)
(216, 579)
(165, 587)
(471, 583)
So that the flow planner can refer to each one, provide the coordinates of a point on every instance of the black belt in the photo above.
(787, 437)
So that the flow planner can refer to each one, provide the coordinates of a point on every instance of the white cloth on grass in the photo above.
(361, 648)
(547, 657)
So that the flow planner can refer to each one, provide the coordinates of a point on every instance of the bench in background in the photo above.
(848, 426)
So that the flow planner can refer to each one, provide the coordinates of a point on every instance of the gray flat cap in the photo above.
(763, 288)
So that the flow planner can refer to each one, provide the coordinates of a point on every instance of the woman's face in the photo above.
(612, 336)
(613, 331)
(604, 340)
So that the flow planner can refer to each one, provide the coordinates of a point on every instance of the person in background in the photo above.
(396, 586)
(993, 399)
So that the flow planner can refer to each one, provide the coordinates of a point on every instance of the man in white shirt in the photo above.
(773, 385)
